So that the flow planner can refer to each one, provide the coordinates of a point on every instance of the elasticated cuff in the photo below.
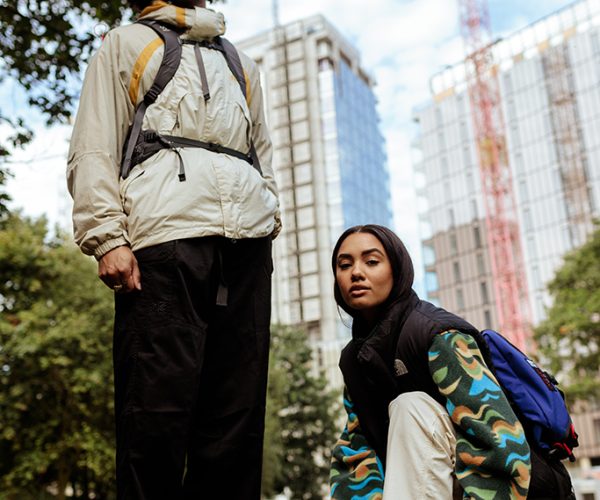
(109, 245)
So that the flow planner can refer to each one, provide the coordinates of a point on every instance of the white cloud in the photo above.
(39, 185)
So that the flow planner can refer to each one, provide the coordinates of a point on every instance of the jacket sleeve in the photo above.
(356, 471)
(101, 124)
(492, 455)
(260, 134)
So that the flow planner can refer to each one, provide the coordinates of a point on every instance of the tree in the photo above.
(570, 336)
(301, 419)
(44, 44)
(55, 367)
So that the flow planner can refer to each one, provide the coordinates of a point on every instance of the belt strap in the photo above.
(210, 146)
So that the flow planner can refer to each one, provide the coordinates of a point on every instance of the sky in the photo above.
(402, 43)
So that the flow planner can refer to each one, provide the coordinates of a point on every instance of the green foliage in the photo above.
(44, 43)
(301, 415)
(570, 336)
(56, 403)
(55, 367)
(43, 46)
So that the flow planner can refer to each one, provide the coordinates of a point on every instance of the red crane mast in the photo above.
(502, 227)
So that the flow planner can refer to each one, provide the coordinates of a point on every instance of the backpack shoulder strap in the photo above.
(235, 66)
(166, 71)
(233, 61)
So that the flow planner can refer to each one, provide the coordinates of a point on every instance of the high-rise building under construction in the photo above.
(330, 166)
(548, 77)
(549, 82)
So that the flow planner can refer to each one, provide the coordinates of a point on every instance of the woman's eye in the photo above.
(344, 265)
(372, 262)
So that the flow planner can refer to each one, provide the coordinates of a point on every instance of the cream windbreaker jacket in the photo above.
(222, 195)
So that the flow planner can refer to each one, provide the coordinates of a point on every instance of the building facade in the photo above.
(330, 166)
(549, 80)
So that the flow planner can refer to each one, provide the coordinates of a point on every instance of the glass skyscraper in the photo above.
(330, 166)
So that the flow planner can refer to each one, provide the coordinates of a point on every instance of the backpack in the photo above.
(142, 144)
(533, 393)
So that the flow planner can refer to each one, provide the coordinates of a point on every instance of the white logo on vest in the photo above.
(400, 367)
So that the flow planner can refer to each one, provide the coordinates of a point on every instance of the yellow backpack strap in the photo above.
(168, 68)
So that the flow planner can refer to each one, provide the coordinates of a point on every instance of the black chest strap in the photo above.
(137, 148)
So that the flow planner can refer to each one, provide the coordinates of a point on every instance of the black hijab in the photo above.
(402, 298)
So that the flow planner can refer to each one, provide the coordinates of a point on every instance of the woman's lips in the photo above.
(357, 291)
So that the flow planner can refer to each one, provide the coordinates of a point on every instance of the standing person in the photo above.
(184, 239)
(426, 417)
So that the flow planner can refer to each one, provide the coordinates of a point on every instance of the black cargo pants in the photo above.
(191, 375)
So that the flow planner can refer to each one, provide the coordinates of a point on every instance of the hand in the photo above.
(119, 270)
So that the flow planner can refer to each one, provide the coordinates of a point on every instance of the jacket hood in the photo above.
(198, 23)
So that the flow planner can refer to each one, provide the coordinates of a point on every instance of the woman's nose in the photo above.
(357, 272)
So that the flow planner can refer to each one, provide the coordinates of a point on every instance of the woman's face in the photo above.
(363, 273)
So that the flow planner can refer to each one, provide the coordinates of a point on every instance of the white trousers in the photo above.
(420, 451)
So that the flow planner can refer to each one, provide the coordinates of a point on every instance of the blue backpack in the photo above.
(535, 398)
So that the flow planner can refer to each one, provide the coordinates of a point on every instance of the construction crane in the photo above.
(502, 227)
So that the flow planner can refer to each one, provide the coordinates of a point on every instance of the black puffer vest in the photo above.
(392, 359)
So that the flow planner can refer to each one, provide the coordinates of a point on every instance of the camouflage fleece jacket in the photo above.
(492, 455)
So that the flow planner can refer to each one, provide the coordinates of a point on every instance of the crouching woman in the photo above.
(426, 417)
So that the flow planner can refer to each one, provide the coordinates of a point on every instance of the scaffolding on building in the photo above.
(504, 244)
(568, 141)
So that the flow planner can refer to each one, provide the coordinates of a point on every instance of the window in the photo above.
(431, 282)
(597, 430)
(304, 195)
(311, 309)
(474, 212)
(487, 319)
(460, 300)
(451, 218)
(456, 268)
(467, 156)
(295, 50)
(300, 131)
(307, 239)
(453, 245)
(445, 171)
(294, 288)
(463, 131)
(523, 191)
(480, 264)
(298, 111)
(531, 248)
(477, 236)
(527, 220)
(305, 217)
(302, 173)
(296, 70)
(308, 262)
(297, 91)
(301, 152)
(537, 281)
(295, 312)
(441, 140)
(310, 285)
(483, 289)
(428, 255)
